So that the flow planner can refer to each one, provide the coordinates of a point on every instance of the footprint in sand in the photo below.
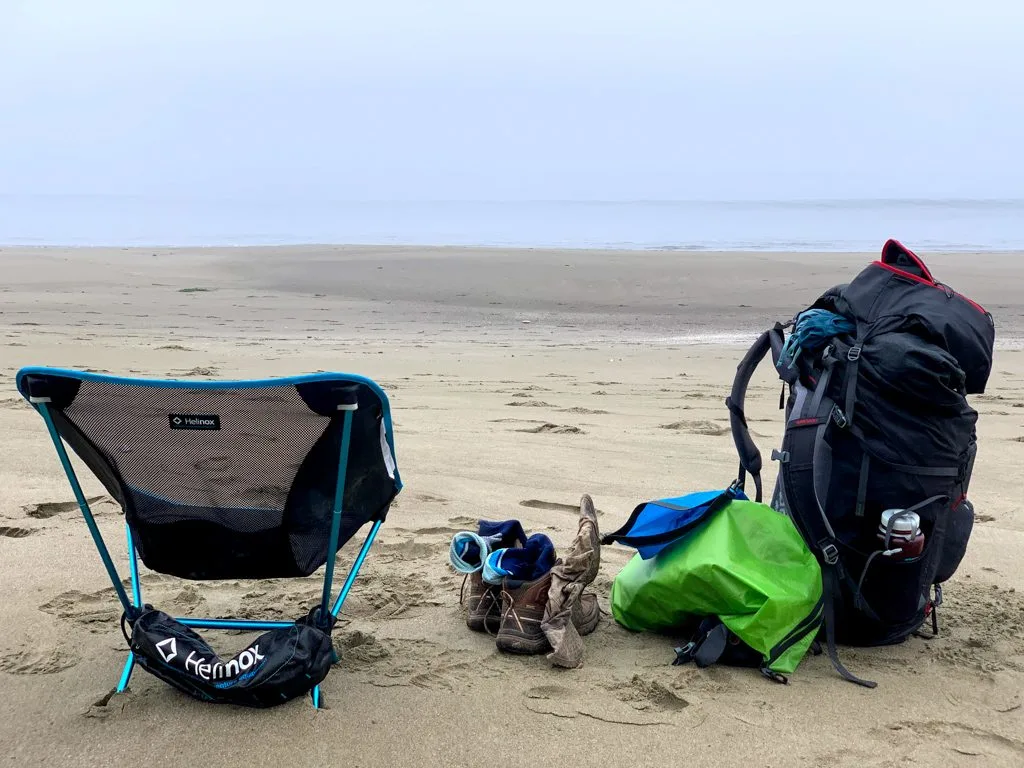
(98, 608)
(554, 506)
(359, 650)
(391, 595)
(446, 677)
(548, 692)
(700, 427)
(714, 679)
(187, 600)
(555, 429)
(412, 550)
(17, 533)
(962, 739)
(51, 508)
(585, 411)
(437, 530)
(529, 404)
(649, 695)
(32, 660)
(634, 704)
(429, 498)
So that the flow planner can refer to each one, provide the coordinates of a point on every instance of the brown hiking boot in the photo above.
(585, 613)
(484, 604)
(521, 615)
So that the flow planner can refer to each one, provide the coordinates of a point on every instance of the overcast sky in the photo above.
(554, 99)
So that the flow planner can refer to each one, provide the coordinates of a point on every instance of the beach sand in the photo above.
(519, 381)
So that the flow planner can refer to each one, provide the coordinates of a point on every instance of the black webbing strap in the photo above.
(750, 457)
(811, 622)
(748, 461)
(806, 450)
(850, 399)
(831, 593)
(862, 485)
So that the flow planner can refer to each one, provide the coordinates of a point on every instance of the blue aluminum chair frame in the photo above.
(136, 586)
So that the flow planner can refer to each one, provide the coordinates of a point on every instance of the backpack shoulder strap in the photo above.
(805, 475)
(750, 457)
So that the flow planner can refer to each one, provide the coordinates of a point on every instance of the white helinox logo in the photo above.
(243, 662)
(168, 648)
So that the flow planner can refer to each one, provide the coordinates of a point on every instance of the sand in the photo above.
(519, 381)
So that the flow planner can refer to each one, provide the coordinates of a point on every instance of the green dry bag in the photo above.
(746, 565)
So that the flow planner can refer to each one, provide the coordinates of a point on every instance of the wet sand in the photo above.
(519, 381)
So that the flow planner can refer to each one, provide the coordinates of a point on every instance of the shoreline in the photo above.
(794, 248)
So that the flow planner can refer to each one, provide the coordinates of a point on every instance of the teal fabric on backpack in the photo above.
(748, 566)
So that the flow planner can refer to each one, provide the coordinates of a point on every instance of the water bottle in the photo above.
(906, 539)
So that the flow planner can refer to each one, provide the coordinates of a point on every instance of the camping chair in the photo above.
(228, 480)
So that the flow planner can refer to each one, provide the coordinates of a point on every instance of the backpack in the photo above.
(876, 375)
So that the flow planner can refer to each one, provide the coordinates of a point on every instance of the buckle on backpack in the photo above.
(854, 354)
(830, 553)
(684, 655)
(839, 417)
(781, 456)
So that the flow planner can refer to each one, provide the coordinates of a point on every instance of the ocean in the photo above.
(815, 225)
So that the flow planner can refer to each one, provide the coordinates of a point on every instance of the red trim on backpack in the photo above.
(892, 244)
(932, 283)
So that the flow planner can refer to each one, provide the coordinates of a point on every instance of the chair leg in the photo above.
(126, 674)
(354, 570)
(339, 496)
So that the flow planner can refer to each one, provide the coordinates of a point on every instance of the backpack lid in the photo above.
(895, 254)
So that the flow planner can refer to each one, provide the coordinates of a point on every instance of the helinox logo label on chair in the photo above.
(194, 421)
(248, 660)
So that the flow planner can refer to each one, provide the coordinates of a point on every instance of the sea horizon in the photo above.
(769, 225)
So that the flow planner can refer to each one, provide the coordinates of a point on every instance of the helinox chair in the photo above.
(228, 480)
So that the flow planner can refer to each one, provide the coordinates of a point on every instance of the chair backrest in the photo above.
(233, 479)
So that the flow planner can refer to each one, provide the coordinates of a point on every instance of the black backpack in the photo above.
(877, 418)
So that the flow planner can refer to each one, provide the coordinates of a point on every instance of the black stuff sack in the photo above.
(276, 667)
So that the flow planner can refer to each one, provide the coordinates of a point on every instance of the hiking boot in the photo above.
(585, 613)
(484, 604)
(521, 615)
